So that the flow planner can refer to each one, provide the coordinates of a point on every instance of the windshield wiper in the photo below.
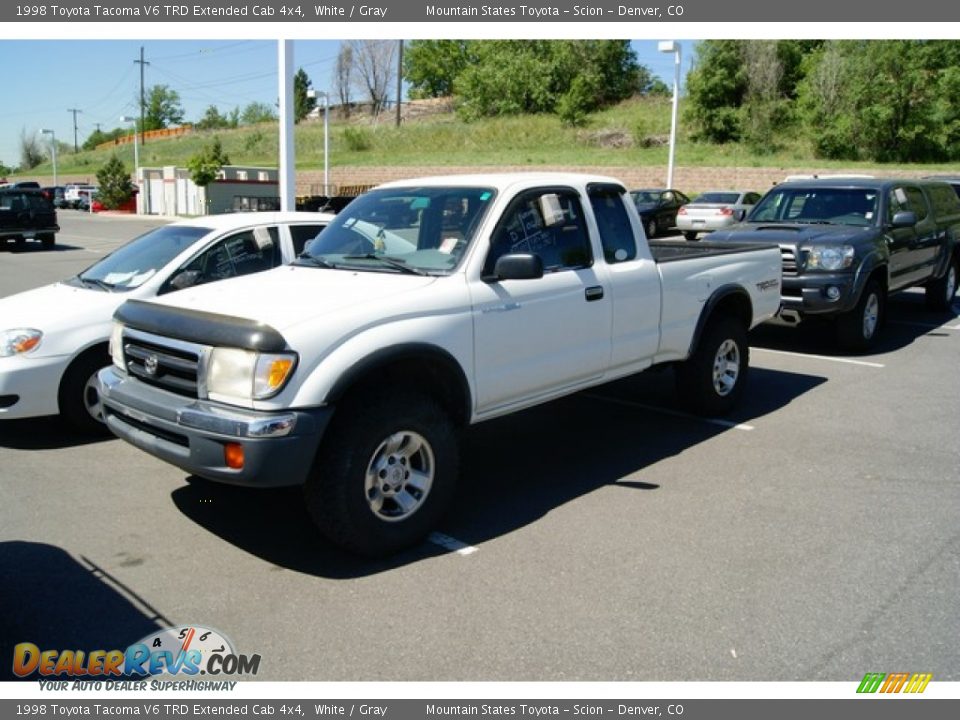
(400, 265)
(103, 285)
(313, 260)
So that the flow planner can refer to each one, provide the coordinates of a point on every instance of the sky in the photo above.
(101, 79)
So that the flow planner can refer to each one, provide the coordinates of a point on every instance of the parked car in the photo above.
(714, 210)
(426, 306)
(53, 339)
(26, 214)
(847, 244)
(77, 195)
(54, 193)
(658, 208)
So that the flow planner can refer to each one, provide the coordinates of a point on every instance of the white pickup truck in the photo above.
(425, 306)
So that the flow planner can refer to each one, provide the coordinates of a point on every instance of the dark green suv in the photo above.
(26, 214)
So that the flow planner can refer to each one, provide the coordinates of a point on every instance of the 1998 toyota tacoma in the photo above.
(427, 305)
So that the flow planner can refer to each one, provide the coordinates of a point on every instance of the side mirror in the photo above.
(184, 279)
(904, 218)
(518, 266)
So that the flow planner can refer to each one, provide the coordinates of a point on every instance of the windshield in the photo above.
(422, 230)
(136, 262)
(834, 206)
(645, 197)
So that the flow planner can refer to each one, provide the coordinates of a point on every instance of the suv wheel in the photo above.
(940, 292)
(857, 329)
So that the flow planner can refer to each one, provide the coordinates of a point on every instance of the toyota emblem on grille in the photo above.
(150, 365)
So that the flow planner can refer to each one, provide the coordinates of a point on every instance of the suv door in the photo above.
(913, 250)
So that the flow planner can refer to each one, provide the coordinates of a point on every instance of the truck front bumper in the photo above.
(825, 294)
(275, 448)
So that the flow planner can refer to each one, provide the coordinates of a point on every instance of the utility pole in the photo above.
(141, 62)
(399, 80)
(74, 111)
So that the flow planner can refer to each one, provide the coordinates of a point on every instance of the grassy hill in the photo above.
(633, 133)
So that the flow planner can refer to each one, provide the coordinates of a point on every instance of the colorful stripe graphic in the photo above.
(895, 682)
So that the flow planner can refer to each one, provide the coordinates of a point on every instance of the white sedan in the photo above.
(53, 339)
(714, 210)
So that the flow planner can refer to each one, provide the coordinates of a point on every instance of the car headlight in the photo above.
(19, 341)
(234, 374)
(829, 257)
(116, 345)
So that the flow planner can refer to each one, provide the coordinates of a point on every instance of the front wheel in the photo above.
(711, 381)
(940, 292)
(857, 330)
(385, 473)
(79, 398)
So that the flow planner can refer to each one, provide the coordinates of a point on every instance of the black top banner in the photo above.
(529, 11)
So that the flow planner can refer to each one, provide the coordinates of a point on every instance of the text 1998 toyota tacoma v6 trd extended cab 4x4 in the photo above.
(848, 243)
(425, 306)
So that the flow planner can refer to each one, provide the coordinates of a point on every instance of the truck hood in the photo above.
(289, 295)
(791, 234)
(58, 306)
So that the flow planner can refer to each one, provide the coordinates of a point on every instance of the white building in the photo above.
(170, 191)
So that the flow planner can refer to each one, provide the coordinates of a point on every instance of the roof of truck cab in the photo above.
(504, 181)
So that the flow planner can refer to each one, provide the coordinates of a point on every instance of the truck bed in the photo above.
(665, 251)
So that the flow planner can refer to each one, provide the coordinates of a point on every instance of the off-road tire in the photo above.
(711, 380)
(338, 492)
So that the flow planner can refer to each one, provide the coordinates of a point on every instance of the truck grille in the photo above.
(789, 256)
(164, 363)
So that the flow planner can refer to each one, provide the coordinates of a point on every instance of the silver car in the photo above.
(714, 210)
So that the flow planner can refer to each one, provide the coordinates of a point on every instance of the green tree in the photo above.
(431, 66)
(257, 112)
(573, 77)
(213, 119)
(5, 170)
(115, 187)
(100, 136)
(163, 108)
(302, 103)
(716, 89)
(32, 152)
(206, 164)
(884, 100)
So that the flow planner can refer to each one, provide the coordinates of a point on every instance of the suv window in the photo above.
(906, 199)
(545, 223)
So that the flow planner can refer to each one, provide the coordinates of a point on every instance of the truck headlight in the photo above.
(18, 341)
(116, 346)
(234, 374)
(829, 257)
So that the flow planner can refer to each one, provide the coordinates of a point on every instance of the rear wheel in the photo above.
(385, 473)
(48, 240)
(858, 329)
(79, 398)
(651, 227)
(940, 292)
(711, 381)
(690, 235)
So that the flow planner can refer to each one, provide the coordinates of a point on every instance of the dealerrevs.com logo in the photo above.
(888, 683)
(184, 650)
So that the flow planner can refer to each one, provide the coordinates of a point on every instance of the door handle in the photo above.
(594, 292)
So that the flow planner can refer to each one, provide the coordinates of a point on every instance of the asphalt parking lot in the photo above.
(606, 536)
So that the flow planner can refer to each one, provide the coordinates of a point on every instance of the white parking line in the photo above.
(675, 413)
(848, 361)
(451, 544)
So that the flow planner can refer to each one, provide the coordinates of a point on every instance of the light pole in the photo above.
(53, 145)
(672, 46)
(326, 138)
(136, 155)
